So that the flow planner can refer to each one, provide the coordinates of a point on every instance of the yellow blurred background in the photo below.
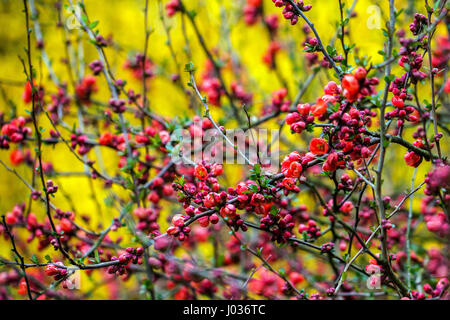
(221, 25)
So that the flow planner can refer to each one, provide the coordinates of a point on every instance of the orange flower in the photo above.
(200, 172)
(22, 287)
(16, 157)
(106, 139)
(318, 146)
(350, 83)
(27, 93)
(290, 166)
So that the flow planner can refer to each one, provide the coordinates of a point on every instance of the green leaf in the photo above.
(436, 5)
(192, 14)
(109, 201)
(389, 78)
(305, 235)
(97, 257)
(386, 143)
(94, 24)
(180, 180)
(84, 18)
(397, 14)
(127, 208)
(189, 67)
(274, 210)
(35, 259)
(331, 51)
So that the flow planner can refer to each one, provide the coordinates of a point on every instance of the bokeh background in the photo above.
(222, 26)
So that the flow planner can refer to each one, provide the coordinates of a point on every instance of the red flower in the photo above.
(200, 172)
(16, 130)
(204, 221)
(350, 83)
(267, 284)
(209, 200)
(447, 86)
(278, 96)
(351, 87)
(172, 230)
(217, 170)
(347, 207)
(413, 159)
(296, 277)
(22, 287)
(172, 7)
(66, 225)
(397, 102)
(243, 187)
(304, 109)
(51, 270)
(360, 73)
(436, 223)
(291, 166)
(332, 88)
(332, 162)
(178, 220)
(183, 293)
(292, 118)
(122, 162)
(85, 88)
(318, 146)
(269, 56)
(142, 139)
(229, 210)
(320, 108)
(106, 139)
(16, 157)
(255, 3)
(289, 183)
(11, 217)
(28, 92)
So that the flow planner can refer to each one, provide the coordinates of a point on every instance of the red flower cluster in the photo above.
(85, 88)
(138, 66)
(28, 93)
(252, 11)
(300, 120)
(269, 56)
(14, 132)
(289, 12)
(172, 7)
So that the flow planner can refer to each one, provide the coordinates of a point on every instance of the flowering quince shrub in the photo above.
(358, 207)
